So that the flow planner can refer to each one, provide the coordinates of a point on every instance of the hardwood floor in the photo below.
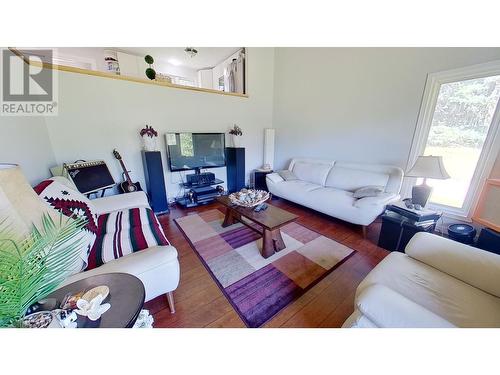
(200, 303)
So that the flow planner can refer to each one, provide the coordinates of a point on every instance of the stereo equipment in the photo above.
(155, 181)
(90, 177)
(268, 149)
(200, 178)
(235, 162)
(200, 195)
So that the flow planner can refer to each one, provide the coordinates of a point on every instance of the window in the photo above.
(186, 141)
(459, 121)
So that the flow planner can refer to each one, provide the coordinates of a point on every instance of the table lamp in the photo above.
(426, 167)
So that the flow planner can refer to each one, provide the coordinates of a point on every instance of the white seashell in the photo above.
(93, 309)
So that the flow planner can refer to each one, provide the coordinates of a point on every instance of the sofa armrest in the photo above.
(380, 200)
(389, 309)
(274, 178)
(120, 202)
(473, 266)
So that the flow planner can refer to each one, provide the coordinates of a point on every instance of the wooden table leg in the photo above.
(279, 244)
(230, 218)
(267, 243)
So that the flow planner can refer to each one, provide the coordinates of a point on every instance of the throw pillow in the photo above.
(287, 175)
(368, 191)
(71, 203)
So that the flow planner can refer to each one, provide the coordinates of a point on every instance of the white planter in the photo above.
(236, 139)
(149, 143)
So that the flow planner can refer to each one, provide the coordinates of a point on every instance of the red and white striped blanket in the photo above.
(124, 232)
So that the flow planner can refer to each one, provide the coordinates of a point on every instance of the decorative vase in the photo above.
(149, 143)
(236, 140)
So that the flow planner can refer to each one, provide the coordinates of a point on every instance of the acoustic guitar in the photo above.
(127, 186)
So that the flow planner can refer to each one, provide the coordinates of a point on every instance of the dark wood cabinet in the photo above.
(398, 230)
(259, 179)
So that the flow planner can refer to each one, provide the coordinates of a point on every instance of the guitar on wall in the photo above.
(127, 186)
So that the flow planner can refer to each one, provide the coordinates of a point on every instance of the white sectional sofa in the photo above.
(437, 283)
(327, 186)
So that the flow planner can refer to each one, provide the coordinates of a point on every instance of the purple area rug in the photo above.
(259, 288)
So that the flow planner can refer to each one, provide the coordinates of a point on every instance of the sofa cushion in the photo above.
(71, 203)
(457, 302)
(157, 267)
(287, 175)
(396, 311)
(123, 232)
(353, 179)
(314, 173)
(368, 191)
(294, 190)
(120, 202)
(473, 266)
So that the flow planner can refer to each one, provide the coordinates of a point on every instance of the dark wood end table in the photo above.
(268, 223)
(126, 296)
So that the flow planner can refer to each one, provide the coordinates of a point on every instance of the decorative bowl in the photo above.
(40, 319)
(249, 197)
(92, 293)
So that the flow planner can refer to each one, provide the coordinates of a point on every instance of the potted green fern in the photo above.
(33, 266)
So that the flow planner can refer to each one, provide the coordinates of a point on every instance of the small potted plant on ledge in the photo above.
(236, 134)
(149, 136)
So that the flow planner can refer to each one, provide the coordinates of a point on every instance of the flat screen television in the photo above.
(188, 151)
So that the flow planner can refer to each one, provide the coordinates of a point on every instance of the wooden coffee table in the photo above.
(268, 223)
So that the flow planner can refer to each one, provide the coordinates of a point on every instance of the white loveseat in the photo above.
(327, 186)
(436, 283)
(157, 267)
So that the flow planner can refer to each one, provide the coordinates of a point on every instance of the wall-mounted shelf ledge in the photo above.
(97, 73)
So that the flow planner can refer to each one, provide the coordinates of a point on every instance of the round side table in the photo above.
(126, 296)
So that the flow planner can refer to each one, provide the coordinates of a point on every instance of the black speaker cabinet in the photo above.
(489, 240)
(235, 162)
(155, 181)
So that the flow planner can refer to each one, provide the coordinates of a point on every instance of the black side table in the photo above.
(126, 296)
(259, 179)
(397, 230)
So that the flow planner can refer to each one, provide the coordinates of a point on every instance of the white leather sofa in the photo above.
(327, 186)
(437, 282)
(157, 267)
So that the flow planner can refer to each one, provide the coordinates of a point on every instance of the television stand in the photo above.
(200, 193)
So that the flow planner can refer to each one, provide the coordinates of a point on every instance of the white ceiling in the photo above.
(207, 57)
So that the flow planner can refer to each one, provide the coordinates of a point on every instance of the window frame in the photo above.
(491, 147)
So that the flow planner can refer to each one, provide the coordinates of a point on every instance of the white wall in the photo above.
(25, 141)
(98, 114)
(356, 104)
(351, 104)
(97, 55)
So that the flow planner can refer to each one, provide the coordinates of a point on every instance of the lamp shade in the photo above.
(19, 204)
(429, 167)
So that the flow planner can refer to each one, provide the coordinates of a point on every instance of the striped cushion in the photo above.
(123, 232)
